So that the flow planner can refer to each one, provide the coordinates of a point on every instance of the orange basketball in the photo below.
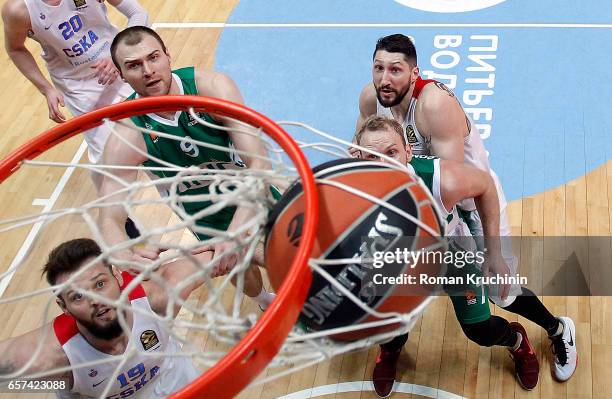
(354, 227)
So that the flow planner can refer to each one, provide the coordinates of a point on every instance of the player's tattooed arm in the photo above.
(442, 122)
(6, 368)
(445, 88)
(450, 93)
(35, 351)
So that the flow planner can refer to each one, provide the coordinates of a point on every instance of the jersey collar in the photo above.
(175, 120)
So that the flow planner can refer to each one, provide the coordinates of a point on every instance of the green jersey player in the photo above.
(144, 62)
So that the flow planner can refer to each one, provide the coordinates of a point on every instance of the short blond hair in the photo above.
(375, 123)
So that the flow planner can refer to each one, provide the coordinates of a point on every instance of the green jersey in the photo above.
(186, 153)
(427, 167)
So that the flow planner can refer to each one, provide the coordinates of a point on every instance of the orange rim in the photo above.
(251, 355)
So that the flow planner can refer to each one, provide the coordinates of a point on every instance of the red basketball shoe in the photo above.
(526, 363)
(383, 375)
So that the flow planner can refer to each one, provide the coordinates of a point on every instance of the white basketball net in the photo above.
(217, 315)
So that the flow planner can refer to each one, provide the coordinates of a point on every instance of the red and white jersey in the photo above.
(73, 35)
(474, 150)
(143, 375)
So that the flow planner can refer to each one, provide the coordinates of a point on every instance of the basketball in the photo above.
(352, 226)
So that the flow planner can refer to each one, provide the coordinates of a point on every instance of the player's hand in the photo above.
(106, 72)
(217, 270)
(55, 100)
(202, 249)
(226, 254)
(354, 152)
(495, 265)
(142, 255)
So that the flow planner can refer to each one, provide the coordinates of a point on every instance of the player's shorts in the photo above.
(221, 220)
(470, 300)
(85, 95)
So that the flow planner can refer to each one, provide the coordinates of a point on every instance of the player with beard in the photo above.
(434, 123)
(90, 329)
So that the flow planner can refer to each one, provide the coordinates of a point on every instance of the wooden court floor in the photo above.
(437, 354)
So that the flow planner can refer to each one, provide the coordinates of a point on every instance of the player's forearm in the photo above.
(136, 15)
(24, 61)
(260, 162)
(6, 368)
(487, 205)
(13, 358)
(241, 217)
(244, 213)
(112, 222)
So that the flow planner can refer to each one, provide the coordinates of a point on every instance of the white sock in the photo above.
(264, 299)
(519, 340)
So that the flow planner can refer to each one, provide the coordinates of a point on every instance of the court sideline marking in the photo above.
(179, 25)
(364, 386)
(48, 205)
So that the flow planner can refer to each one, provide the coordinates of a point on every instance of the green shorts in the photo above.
(222, 219)
(471, 301)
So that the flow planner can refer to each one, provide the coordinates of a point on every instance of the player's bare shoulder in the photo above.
(15, 15)
(367, 100)
(217, 84)
(436, 97)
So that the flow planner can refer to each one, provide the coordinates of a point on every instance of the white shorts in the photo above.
(84, 95)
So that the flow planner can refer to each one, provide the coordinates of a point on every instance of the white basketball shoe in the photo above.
(564, 350)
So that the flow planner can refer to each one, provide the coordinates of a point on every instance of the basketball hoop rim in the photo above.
(250, 356)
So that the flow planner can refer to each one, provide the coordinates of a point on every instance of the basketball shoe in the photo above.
(383, 375)
(563, 347)
(526, 364)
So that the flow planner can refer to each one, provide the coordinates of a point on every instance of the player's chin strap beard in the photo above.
(398, 99)
(111, 331)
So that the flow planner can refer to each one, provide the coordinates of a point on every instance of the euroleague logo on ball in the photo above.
(449, 5)
(294, 231)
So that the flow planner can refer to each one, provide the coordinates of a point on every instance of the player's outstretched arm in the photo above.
(18, 351)
(16, 26)
(459, 181)
(442, 122)
(135, 13)
(183, 275)
(215, 84)
(117, 152)
(367, 104)
(105, 70)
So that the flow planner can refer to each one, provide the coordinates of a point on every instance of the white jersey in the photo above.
(474, 151)
(144, 375)
(73, 35)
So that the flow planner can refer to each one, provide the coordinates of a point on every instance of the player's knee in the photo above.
(478, 333)
(502, 303)
(493, 331)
